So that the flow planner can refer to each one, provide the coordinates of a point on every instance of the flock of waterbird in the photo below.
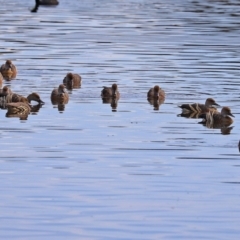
(19, 106)
(212, 118)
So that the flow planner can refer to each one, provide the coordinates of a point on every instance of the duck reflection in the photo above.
(112, 101)
(156, 102)
(44, 3)
(20, 116)
(35, 108)
(60, 105)
(224, 128)
(190, 115)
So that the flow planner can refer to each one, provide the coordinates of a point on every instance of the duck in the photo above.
(20, 108)
(7, 96)
(72, 80)
(214, 119)
(198, 107)
(110, 92)
(5, 91)
(59, 95)
(8, 70)
(156, 93)
(35, 97)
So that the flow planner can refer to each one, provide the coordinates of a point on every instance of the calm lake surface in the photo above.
(87, 172)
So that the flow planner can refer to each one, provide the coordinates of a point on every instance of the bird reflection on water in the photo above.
(225, 129)
(156, 103)
(113, 102)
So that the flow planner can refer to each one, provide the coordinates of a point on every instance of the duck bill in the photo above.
(41, 102)
(231, 115)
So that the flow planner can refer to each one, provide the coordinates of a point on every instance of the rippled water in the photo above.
(92, 173)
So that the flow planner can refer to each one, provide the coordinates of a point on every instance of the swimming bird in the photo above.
(59, 95)
(72, 80)
(108, 92)
(34, 97)
(8, 70)
(156, 93)
(198, 107)
(5, 90)
(214, 119)
(44, 2)
(7, 96)
(22, 108)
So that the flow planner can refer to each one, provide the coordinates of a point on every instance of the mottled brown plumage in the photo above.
(72, 80)
(7, 96)
(8, 70)
(22, 108)
(218, 119)
(109, 92)
(198, 107)
(156, 93)
(59, 95)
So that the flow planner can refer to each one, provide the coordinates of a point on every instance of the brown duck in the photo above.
(198, 107)
(59, 95)
(72, 80)
(110, 92)
(156, 93)
(7, 96)
(222, 118)
(214, 119)
(8, 70)
(22, 108)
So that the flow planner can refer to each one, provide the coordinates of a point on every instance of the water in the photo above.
(87, 172)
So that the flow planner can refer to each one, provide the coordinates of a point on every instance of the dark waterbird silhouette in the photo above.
(44, 3)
